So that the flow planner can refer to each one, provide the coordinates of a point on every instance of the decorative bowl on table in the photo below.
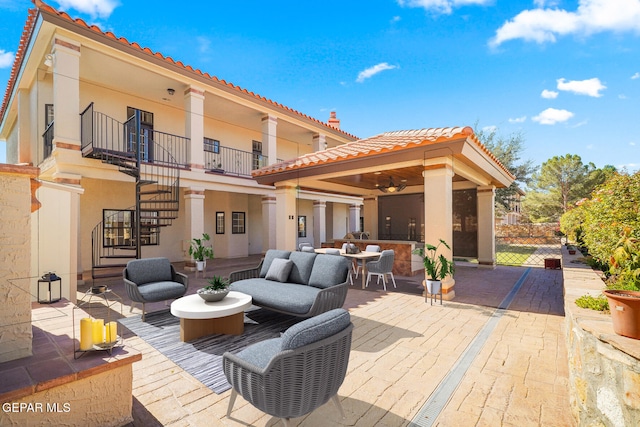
(99, 289)
(212, 295)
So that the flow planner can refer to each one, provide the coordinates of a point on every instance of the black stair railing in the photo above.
(157, 181)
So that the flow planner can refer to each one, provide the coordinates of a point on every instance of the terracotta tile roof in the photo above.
(24, 41)
(383, 143)
(43, 7)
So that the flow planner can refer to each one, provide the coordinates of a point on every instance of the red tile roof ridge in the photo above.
(42, 6)
(384, 142)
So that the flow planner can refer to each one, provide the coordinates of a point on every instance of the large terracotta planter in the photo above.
(625, 312)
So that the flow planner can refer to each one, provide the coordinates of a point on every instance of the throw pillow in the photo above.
(279, 270)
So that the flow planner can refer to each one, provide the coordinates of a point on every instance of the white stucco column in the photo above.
(268, 223)
(319, 222)
(55, 238)
(371, 216)
(23, 124)
(319, 142)
(194, 219)
(354, 218)
(438, 211)
(269, 138)
(66, 93)
(286, 221)
(194, 126)
(486, 226)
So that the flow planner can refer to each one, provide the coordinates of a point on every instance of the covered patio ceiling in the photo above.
(359, 167)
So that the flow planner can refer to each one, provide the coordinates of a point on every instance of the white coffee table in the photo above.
(199, 318)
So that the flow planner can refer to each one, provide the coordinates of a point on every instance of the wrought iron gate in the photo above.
(527, 244)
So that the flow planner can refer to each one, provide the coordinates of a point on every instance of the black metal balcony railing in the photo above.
(103, 133)
(47, 138)
(232, 161)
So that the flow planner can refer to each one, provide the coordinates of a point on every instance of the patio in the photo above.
(493, 367)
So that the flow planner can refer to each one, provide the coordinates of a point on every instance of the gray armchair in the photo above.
(381, 267)
(151, 280)
(292, 375)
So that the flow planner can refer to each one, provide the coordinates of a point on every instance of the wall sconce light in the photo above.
(171, 91)
(48, 60)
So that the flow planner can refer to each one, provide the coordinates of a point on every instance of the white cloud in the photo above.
(549, 94)
(372, 71)
(632, 144)
(204, 44)
(518, 119)
(622, 96)
(551, 116)
(590, 87)
(635, 76)
(490, 129)
(6, 59)
(545, 3)
(95, 8)
(395, 19)
(441, 6)
(543, 25)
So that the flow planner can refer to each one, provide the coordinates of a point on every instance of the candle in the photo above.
(98, 331)
(86, 333)
(112, 332)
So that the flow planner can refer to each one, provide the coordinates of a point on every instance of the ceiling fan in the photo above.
(392, 187)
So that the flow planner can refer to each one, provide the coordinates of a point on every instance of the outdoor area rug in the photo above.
(202, 358)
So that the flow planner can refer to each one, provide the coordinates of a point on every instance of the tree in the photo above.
(508, 151)
(560, 183)
(613, 208)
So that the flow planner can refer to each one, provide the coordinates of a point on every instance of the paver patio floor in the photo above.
(403, 348)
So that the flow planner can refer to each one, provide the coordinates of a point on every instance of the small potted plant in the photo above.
(200, 252)
(437, 266)
(217, 289)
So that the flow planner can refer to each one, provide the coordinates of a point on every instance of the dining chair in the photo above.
(381, 267)
(353, 263)
(368, 248)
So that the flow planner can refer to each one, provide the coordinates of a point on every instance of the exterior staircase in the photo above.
(121, 235)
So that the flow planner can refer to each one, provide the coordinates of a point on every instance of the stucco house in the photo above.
(133, 146)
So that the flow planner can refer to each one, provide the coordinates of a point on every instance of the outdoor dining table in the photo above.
(363, 256)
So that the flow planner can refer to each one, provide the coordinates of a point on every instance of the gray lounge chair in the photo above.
(151, 280)
(292, 375)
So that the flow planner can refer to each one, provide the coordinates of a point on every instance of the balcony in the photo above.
(104, 137)
(231, 161)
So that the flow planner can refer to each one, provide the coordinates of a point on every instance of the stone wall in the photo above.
(604, 368)
(98, 400)
(15, 255)
(528, 230)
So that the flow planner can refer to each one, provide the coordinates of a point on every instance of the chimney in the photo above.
(333, 121)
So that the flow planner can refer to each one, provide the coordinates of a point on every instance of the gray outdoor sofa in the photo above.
(315, 283)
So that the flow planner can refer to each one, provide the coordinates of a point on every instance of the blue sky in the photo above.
(566, 74)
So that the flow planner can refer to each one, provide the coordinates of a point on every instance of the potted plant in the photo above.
(217, 289)
(200, 252)
(437, 266)
(624, 290)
